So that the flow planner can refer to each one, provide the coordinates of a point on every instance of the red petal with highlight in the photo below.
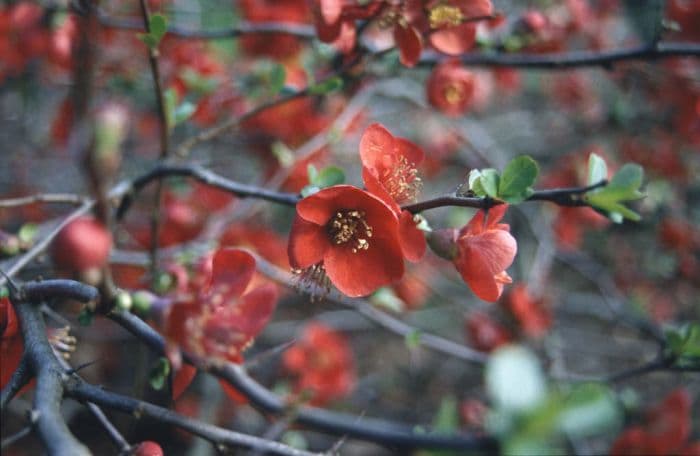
(232, 270)
(308, 243)
(410, 44)
(411, 238)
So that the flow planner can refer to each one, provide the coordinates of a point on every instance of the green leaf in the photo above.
(447, 417)
(176, 114)
(309, 190)
(184, 111)
(159, 374)
(597, 169)
(28, 232)
(504, 367)
(589, 409)
(387, 299)
(515, 184)
(489, 181)
(623, 187)
(684, 343)
(276, 78)
(158, 26)
(85, 317)
(312, 172)
(328, 177)
(197, 82)
(412, 339)
(327, 86)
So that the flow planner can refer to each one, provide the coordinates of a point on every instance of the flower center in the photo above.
(445, 16)
(401, 180)
(350, 226)
(452, 94)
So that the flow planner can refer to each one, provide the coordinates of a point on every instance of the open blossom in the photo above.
(389, 172)
(220, 320)
(485, 248)
(323, 363)
(451, 88)
(351, 235)
(452, 23)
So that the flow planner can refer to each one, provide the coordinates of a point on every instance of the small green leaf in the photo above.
(276, 78)
(184, 111)
(623, 187)
(28, 232)
(446, 419)
(489, 181)
(327, 86)
(85, 317)
(387, 299)
(197, 82)
(597, 169)
(412, 339)
(158, 25)
(159, 374)
(174, 113)
(309, 190)
(516, 182)
(328, 177)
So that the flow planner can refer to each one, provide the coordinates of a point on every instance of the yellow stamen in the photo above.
(445, 16)
(350, 226)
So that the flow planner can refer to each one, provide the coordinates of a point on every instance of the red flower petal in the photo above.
(411, 238)
(359, 274)
(482, 262)
(410, 44)
(454, 40)
(256, 309)
(182, 379)
(232, 270)
(331, 10)
(308, 243)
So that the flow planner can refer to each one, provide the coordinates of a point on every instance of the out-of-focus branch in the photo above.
(375, 315)
(379, 431)
(242, 28)
(572, 59)
(219, 437)
(56, 198)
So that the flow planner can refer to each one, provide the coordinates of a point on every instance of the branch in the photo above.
(375, 315)
(60, 288)
(243, 28)
(51, 427)
(219, 437)
(572, 59)
(57, 198)
(379, 431)
(207, 177)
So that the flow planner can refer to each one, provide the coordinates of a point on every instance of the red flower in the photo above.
(451, 88)
(221, 321)
(11, 344)
(485, 248)
(666, 430)
(82, 244)
(352, 235)
(532, 314)
(454, 31)
(389, 172)
(323, 363)
(484, 333)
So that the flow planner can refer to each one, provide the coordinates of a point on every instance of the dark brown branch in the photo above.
(220, 437)
(243, 28)
(67, 289)
(48, 393)
(207, 177)
(379, 431)
(573, 59)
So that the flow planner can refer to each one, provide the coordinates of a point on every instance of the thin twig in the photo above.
(371, 429)
(56, 198)
(572, 59)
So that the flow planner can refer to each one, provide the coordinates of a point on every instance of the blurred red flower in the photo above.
(352, 235)
(532, 314)
(323, 363)
(221, 319)
(454, 31)
(451, 88)
(11, 343)
(484, 333)
(665, 431)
